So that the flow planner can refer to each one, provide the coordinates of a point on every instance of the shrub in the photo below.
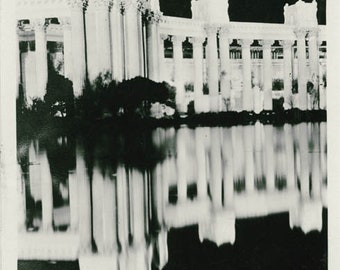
(205, 89)
(277, 84)
(189, 87)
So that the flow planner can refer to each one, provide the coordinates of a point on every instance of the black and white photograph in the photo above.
(168, 135)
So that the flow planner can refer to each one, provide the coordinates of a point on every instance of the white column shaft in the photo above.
(212, 59)
(117, 44)
(161, 58)
(78, 51)
(302, 66)
(153, 51)
(225, 70)
(41, 60)
(103, 40)
(68, 66)
(247, 95)
(288, 73)
(178, 73)
(314, 68)
(267, 74)
(198, 71)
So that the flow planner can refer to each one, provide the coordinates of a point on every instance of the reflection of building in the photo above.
(231, 58)
(121, 219)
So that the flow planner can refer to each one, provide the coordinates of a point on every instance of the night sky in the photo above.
(268, 11)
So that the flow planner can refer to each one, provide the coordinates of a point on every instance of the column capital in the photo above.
(153, 16)
(245, 43)
(197, 41)
(178, 39)
(300, 33)
(223, 31)
(103, 4)
(211, 29)
(287, 44)
(66, 23)
(39, 24)
(164, 37)
(77, 4)
(266, 43)
(313, 33)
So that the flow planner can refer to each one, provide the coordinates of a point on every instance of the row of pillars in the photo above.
(214, 76)
(223, 165)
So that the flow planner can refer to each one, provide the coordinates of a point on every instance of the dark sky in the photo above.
(269, 11)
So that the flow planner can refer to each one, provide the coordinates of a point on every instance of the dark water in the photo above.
(242, 197)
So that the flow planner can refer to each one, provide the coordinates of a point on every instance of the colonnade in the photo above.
(219, 69)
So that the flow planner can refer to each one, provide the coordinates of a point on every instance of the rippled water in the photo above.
(241, 197)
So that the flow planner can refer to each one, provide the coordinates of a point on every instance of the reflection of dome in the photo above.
(308, 216)
(220, 228)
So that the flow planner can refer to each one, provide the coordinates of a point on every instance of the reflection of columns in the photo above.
(225, 66)
(73, 198)
(288, 73)
(21, 201)
(103, 43)
(247, 95)
(122, 207)
(117, 43)
(248, 138)
(41, 56)
(84, 203)
(78, 46)
(267, 74)
(198, 70)
(212, 59)
(200, 163)
(316, 174)
(66, 23)
(258, 151)
(290, 169)
(46, 193)
(323, 149)
(181, 163)
(228, 175)
(178, 73)
(302, 65)
(304, 167)
(137, 209)
(314, 64)
(269, 155)
(216, 167)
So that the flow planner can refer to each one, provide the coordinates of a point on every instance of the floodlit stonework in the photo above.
(127, 38)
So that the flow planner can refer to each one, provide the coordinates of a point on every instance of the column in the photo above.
(267, 74)
(289, 145)
(73, 198)
(132, 43)
(248, 138)
(288, 73)
(117, 43)
(46, 193)
(67, 32)
(216, 167)
(302, 65)
(269, 155)
(153, 47)
(197, 43)
(225, 68)
(178, 65)
(78, 46)
(102, 14)
(181, 165)
(161, 58)
(212, 59)
(202, 191)
(314, 66)
(41, 56)
(247, 95)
